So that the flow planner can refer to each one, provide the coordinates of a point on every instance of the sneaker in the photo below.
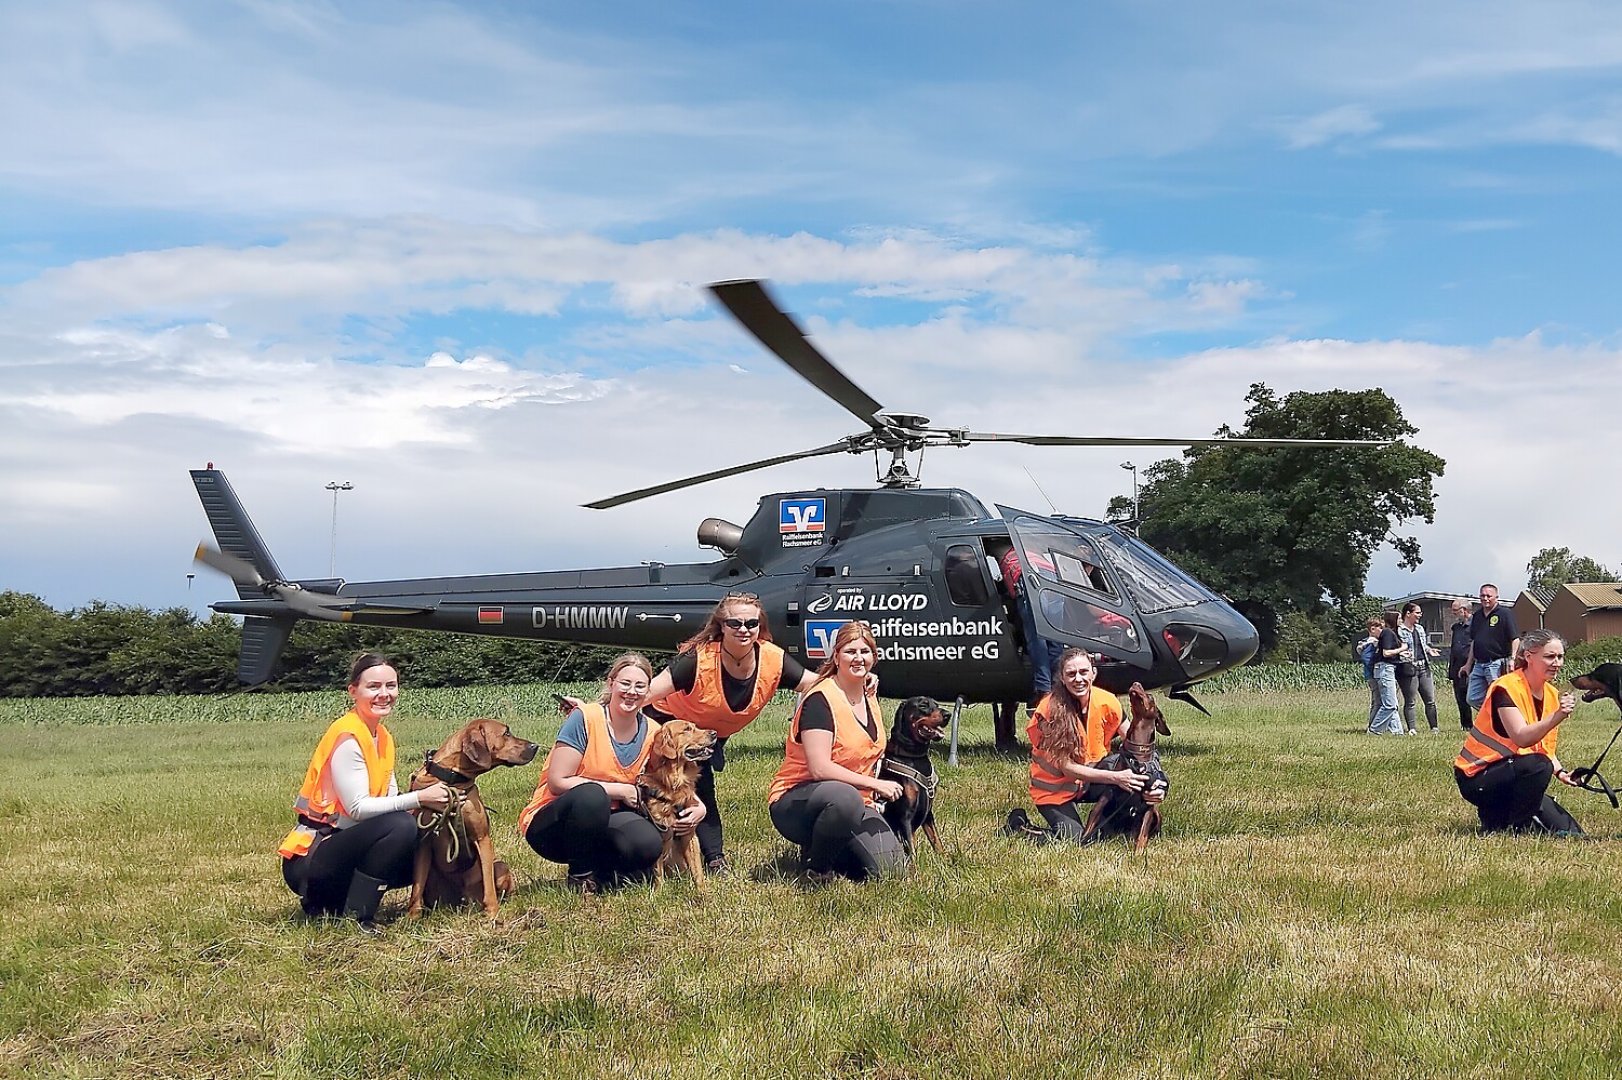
(718, 867)
(1412, 731)
(1436, 731)
(585, 884)
(1018, 821)
(820, 879)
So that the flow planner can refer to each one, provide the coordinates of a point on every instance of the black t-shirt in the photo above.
(1388, 640)
(815, 715)
(1492, 635)
(1458, 651)
(1502, 700)
(738, 692)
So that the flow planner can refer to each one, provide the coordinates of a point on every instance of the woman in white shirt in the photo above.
(355, 838)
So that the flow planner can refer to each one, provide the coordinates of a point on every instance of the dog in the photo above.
(456, 860)
(1604, 681)
(666, 786)
(918, 723)
(1117, 808)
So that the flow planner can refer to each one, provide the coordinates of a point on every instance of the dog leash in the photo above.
(448, 820)
(1589, 775)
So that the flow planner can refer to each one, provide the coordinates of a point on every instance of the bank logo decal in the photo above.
(802, 522)
(819, 637)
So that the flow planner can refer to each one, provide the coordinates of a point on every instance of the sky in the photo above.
(455, 255)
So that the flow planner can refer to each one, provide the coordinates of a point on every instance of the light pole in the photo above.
(335, 487)
(1133, 469)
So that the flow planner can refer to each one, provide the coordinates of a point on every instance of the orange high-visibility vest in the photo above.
(599, 762)
(1102, 722)
(853, 748)
(317, 803)
(706, 704)
(1483, 745)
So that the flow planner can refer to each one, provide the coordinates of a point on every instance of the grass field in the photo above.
(1318, 906)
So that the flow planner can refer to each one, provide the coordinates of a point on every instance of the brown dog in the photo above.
(666, 786)
(1118, 808)
(456, 861)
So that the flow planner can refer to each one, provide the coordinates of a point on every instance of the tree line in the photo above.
(116, 649)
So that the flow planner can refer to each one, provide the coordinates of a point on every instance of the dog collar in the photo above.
(441, 772)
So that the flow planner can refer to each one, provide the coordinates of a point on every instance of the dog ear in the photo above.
(475, 747)
(1161, 726)
(663, 741)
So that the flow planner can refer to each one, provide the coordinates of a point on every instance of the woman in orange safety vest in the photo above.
(584, 811)
(722, 678)
(1508, 757)
(355, 837)
(1070, 731)
(823, 796)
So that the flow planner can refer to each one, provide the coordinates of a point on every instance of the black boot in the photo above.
(365, 894)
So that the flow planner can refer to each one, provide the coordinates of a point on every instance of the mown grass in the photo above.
(1318, 906)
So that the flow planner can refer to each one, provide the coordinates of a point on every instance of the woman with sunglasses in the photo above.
(584, 812)
(722, 678)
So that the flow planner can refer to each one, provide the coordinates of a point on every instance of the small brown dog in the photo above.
(666, 786)
(456, 860)
(1117, 808)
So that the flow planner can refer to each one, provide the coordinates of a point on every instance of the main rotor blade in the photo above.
(1110, 440)
(754, 307)
(676, 485)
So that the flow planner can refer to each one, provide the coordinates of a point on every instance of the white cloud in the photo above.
(1341, 122)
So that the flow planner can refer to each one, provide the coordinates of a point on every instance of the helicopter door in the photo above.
(1076, 599)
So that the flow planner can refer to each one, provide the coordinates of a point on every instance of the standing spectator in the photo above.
(1458, 660)
(1494, 645)
(1414, 676)
(1365, 655)
(1387, 649)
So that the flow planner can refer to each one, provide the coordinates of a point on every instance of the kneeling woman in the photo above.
(355, 838)
(822, 797)
(1071, 727)
(1508, 759)
(584, 812)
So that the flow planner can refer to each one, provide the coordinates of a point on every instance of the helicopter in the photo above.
(918, 564)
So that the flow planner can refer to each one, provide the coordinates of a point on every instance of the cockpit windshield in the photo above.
(1153, 583)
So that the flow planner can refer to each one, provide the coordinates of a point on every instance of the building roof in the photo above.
(1598, 594)
(1448, 596)
(1540, 597)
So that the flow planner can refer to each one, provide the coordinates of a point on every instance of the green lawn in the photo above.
(1318, 906)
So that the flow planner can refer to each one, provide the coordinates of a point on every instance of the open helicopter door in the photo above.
(1076, 596)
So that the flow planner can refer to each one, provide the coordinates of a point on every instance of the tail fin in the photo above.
(263, 639)
(233, 529)
(262, 643)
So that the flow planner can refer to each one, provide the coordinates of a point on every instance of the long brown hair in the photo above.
(842, 637)
(1065, 721)
(711, 630)
(621, 662)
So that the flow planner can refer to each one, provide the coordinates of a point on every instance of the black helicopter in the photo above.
(917, 564)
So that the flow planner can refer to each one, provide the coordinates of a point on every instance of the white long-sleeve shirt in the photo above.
(350, 783)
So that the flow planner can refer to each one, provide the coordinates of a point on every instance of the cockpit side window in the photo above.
(1064, 556)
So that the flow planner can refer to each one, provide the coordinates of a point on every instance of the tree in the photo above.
(1291, 529)
(1554, 567)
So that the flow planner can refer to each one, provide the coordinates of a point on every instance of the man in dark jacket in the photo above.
(1458, 660)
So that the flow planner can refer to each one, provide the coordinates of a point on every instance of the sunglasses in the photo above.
(740, 624)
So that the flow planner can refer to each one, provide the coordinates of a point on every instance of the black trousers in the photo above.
(383, 847)
(837, 829)
(1507, 794)
(1065, 820)
(711, 838)
(582, 830)
(1461, 690)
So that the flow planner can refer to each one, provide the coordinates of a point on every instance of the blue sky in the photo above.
(454, 254)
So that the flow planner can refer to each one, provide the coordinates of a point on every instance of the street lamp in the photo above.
(335, 487)
(1133, 469)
